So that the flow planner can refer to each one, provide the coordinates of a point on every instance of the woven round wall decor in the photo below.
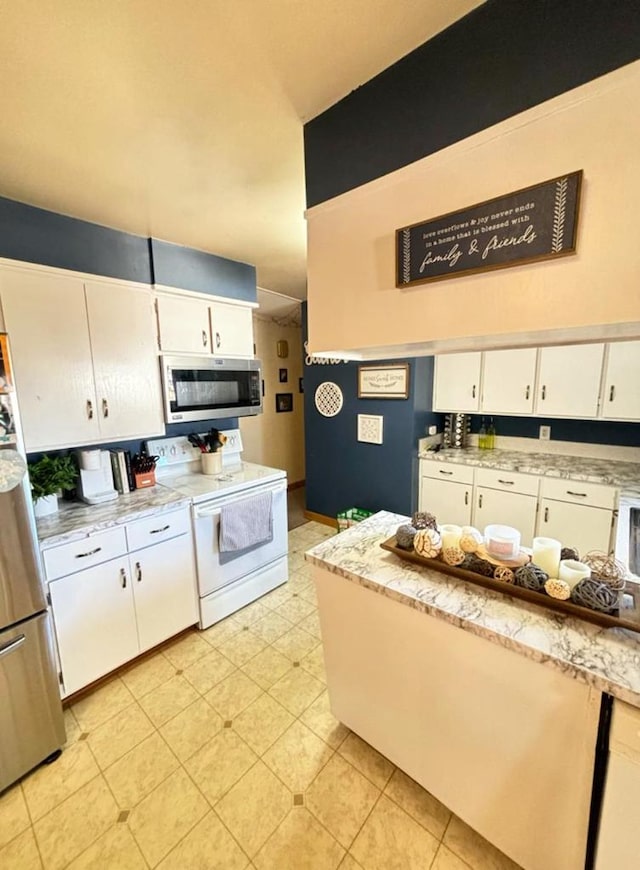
(329, 399)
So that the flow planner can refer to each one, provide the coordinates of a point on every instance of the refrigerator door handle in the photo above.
(12, 645)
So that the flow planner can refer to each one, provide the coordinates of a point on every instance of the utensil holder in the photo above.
(211, 463)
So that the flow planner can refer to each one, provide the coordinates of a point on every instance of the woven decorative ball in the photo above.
(470, 540)
(424, 520)
(531, 577)
(478, 566)
(557, 589)
(503, 573)
(428, 543)
(404, 537)
(606, 569)
(569, 553)
(453, 555)
(595, 595)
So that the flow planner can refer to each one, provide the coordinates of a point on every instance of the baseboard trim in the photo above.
(321, 518)
(297, 484)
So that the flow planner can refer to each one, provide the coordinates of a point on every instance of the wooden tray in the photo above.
(627, 617)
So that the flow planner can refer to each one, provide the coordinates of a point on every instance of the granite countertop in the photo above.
(76, 520)
(607, 659)
(625, 475)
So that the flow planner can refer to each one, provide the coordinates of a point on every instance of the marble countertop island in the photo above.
(75, 520)
(624, 475)
(607, 659)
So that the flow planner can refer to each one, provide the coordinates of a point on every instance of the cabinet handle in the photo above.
(506, 482)
(577, 494)
(105, 408)
(473, 391)
(480, 500)
(440, 471)
(546, 515)
(466, 497)
(163, 529)
(89, 409)
(123, 578)
(205, 340)
(544, 392)
(138, 572)
(527, 392)
(612, 392)
(12, 645)
(89, 553)
(217, 339)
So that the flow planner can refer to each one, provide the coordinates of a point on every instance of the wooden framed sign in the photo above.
(383, 382)
(536, 223)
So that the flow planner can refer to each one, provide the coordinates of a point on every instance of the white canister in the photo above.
(211, 463)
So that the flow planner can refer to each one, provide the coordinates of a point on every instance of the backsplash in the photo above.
(583, 431)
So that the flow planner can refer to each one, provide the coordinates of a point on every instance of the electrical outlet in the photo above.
(545, 433)
(432, 430)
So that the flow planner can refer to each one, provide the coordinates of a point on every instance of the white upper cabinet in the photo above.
(508, 383)
(457, 382)
(183, 325)
(231, 330)
(125, 361)
(84, 357)
(569, 380)
(46, 319)
(621, 394)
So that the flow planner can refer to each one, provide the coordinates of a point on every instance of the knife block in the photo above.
(144, 479)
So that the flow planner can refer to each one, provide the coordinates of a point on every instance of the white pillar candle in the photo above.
(573, 572)
(546, 555)
(451, 535)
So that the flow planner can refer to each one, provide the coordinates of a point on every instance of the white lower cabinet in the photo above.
(575, 525)
(109, 613)
(450, 502)
(508, 509)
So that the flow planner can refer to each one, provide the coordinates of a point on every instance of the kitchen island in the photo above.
(491, 704)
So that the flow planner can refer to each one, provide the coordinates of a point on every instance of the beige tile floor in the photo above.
(219, 752)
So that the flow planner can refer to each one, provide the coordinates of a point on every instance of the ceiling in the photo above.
(184, 120)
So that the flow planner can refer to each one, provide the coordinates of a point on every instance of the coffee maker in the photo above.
(95, 485)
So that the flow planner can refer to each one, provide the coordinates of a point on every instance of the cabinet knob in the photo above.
(205, 339)
(105, 408)
(89, 409)
(612, 392)
(217, 339)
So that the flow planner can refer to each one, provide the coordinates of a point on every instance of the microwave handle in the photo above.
(213, 511)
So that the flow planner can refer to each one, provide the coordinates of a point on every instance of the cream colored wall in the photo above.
(353, 301)
(271, 438)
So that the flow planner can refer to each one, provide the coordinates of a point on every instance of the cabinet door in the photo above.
(164, 583)
(95, 622)
(46, 318)
(621, 398)
(507, 509)
(450, 502)
(125, 361)
(184, 325)
(580, 526)
(232, 330)
(508, 381)
(569, 380)
(457, 382)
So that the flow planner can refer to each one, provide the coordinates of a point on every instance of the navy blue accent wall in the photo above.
(342, 472)
(176, 266)
(35, 235)
(500, 59)
(585, 431)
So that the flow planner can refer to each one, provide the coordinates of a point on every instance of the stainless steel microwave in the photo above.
(207, 388)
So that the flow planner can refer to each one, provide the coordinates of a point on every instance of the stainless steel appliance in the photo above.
(31, 721)
(95, 485)
(227, 581)
(207, 388)
(627, 546)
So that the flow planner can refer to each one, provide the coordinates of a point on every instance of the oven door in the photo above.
(216, 569)
(208, 389)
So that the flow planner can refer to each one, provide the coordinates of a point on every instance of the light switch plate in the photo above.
(370, 428)
(545, 433)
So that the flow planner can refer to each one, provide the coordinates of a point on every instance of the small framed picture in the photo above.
(301, 385)
(284, 376)
(284, 402)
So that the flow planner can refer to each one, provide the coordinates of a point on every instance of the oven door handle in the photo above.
(214, 510)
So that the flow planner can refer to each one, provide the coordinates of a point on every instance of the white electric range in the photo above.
(226, 581)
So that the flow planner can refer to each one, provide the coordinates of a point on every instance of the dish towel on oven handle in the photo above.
(246, 523)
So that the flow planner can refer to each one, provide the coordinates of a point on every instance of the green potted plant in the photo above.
(49, 475)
